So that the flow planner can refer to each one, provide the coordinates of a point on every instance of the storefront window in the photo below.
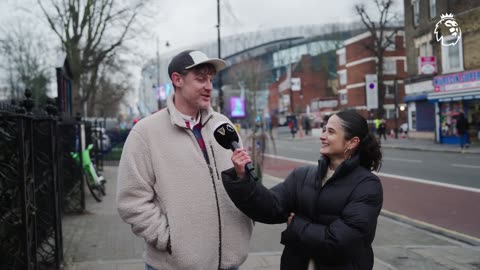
(413, 118)
(448, 113)
(473, 116)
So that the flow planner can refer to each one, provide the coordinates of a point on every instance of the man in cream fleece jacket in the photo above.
(169, 185)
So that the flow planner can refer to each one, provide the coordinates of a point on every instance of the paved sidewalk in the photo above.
(99, 240)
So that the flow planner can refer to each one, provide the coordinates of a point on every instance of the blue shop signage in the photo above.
(467, 80)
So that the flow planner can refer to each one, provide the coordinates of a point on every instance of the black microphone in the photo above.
(227, 137)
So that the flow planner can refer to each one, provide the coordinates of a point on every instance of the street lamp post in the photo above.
(395, 89)
(220, 91)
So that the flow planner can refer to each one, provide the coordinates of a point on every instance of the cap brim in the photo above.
(219, 64)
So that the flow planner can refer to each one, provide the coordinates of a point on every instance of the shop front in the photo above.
(455, 93)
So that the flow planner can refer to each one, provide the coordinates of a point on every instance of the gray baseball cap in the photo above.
(191, 58)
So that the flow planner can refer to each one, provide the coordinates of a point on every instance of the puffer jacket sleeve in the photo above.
(136, 200)
(342, 236)
(259, 203)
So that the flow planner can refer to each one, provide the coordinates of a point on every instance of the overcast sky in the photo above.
(187, 22)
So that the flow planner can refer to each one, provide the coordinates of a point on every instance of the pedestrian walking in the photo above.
(292, 125)
(382, 130)
(376, 123)
(306, 124)
(169, 186)
(331, 210)
(462, 130)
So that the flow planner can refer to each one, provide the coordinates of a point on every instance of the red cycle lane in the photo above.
(451, 208)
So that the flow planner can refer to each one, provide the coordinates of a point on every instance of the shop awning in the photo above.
(415, 97)
(453, 96)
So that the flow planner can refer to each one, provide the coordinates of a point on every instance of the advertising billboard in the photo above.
(237, 107)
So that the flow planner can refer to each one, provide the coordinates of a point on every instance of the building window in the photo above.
(389, 66)
(452, 57)
(389, 91)
(342, 58)
(433, 9)
(416, 12)
(389, 113)
(413, 118)
(342, 77)
(343, 97)
(425, 49)
(391, 44)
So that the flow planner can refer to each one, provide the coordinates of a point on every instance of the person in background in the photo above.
(169, 188)
(382, 130)
(306, 124)
(377, 122)
(331, 210)
(292, 125)
(462, 130)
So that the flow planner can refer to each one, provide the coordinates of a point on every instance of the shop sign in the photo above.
(468, 80)
(321, 104)
(371, 90)
(427, 65)
(296, 84)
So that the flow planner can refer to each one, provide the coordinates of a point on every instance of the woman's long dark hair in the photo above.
(369, 152)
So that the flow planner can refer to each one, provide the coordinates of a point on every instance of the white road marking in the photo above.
(403, 160)
(399, 177)
(466, 166)
(430, 182)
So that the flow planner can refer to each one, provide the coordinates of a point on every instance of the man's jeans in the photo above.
(148, 267)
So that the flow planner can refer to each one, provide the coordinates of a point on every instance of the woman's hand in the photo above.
(290, 218)
(239, 159)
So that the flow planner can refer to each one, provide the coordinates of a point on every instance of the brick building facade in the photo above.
(355, 61)
(312, 74)
(435, 90)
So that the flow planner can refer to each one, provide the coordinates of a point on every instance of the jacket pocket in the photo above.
(169, 243)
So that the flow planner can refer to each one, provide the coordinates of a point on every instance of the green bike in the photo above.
(95, 181)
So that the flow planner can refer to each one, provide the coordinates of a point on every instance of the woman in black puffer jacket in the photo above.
(331, 209)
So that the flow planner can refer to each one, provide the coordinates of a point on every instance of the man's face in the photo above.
(193, 90)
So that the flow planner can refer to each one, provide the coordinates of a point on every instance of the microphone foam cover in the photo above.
(225, 134)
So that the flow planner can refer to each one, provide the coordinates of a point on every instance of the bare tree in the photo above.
(113, 84)
(251, 74)
(90, 31)
(24, 53)
(383, 34)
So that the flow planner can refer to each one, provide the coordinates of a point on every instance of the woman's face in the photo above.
(332, 140)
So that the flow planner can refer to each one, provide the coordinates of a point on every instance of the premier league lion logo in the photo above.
(447, 30)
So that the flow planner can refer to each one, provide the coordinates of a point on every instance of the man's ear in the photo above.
(177, 79)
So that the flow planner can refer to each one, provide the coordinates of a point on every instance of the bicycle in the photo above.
(95, 181)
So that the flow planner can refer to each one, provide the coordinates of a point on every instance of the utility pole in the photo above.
(395, 95)
(157, 86)
(289, 76)
(220, 91)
